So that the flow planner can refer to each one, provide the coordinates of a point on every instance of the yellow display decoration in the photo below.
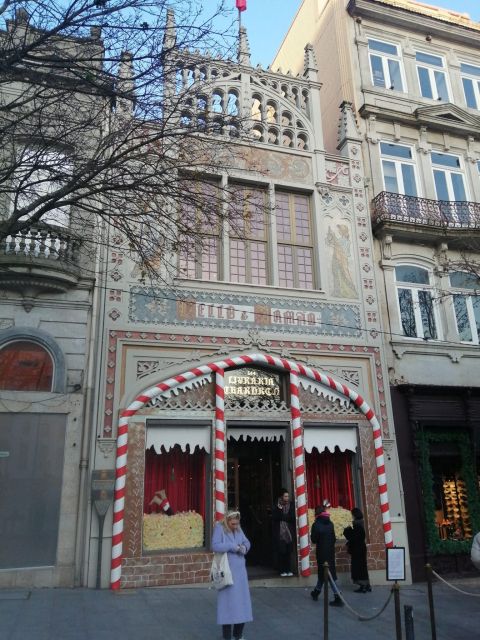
(181, 531)
(340, 517)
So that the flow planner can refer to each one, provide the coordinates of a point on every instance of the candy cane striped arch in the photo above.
(220, 366)
(219, 445)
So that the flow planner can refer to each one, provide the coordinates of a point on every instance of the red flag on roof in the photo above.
(242, 5)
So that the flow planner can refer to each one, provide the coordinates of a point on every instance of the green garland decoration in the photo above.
(467, 471)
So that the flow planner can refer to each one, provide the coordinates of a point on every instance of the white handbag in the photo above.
(220, 573)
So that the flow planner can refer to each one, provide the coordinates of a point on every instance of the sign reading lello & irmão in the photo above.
(252, 383)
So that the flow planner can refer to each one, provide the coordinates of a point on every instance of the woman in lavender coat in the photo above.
(233, 604)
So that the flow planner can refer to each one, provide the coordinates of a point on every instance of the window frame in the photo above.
(448, 175)
(431, 68)
(468, 296)
(415, 289)
(294, 244)
(398, 162)
(385, 57)
(464, 75)
(249, 238)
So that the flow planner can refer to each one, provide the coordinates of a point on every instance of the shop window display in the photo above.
(174, 498)
(450, 490)
(329, 476)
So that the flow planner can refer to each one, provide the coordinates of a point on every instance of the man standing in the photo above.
(323, 535)
(283, 516)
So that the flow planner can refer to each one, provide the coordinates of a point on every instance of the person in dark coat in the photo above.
(357, 549)
(323, 536)
(283, 529)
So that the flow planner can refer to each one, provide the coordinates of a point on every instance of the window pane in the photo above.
(377, 71)
(407, 315)
(384, 47)
(458, 187)
(25, 366)
(396, 150)
(302, 219)
(441, 185)
(425, 85)
(390, 176)
(395, 75)
(461, 314)
(441, 83)
(305, 268)
(409, 183)
(445, 160)
(416, 275)
(469, 93)
(258, 263)
(426, 311)
(476, 312)
(464, 280)
(470, 69)
(238, 264)
(284, 230)
(429, 59)
(187, 260)
(285, 266)
(209, 259)
(256, 213)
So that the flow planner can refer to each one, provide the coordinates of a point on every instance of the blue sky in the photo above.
(267, 22)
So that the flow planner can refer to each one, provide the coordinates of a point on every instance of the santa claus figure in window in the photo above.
(160, 499)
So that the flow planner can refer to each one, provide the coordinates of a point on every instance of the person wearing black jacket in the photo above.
(323, 536)
(283, 529)
(357, 549)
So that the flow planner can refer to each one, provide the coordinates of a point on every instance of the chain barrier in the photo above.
(361, 617)
(452, 586)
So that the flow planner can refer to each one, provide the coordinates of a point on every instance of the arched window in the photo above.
(466, 303)
(25, 366)
(415, 299)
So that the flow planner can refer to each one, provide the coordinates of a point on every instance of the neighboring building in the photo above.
(292, 281)
(46, 329)
(412, 73)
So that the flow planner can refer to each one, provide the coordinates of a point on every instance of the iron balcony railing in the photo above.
(395, 207)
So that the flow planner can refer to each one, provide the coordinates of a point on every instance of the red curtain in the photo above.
(329, 475)
(181, 474)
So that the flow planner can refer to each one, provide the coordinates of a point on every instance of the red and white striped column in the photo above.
(219, 445)
(299, 472)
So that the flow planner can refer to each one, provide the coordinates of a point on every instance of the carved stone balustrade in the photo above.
(38, 259)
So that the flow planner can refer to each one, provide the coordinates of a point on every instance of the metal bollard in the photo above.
(408, 616)
(428, 568)
(398, 617)
(325, 601)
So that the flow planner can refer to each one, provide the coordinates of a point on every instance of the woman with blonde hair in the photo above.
(234, 607)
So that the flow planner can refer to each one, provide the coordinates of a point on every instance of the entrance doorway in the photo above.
(254, 480)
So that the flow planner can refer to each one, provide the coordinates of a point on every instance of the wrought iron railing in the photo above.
(38, 243)
(395, 207)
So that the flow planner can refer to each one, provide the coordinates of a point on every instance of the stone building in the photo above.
(210, 391)
(412, 74)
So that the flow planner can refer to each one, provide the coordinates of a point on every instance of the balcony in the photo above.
(409, 216)
(39, 259)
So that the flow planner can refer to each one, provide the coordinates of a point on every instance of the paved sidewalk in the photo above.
(189, 614)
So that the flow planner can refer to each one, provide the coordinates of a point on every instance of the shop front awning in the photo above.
(345, 438)
(170, 436)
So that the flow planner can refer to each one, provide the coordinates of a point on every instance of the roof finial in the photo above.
(170, 37)
(243, 47)
(310, 67)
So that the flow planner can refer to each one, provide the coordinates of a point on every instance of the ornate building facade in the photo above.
(261, 365)
(412, 74)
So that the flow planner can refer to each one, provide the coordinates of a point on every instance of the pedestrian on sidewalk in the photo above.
(234, 607)
(283, 525)
(357, 548)
(323, 536)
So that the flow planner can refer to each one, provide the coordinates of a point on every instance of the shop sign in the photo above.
(252, 384)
